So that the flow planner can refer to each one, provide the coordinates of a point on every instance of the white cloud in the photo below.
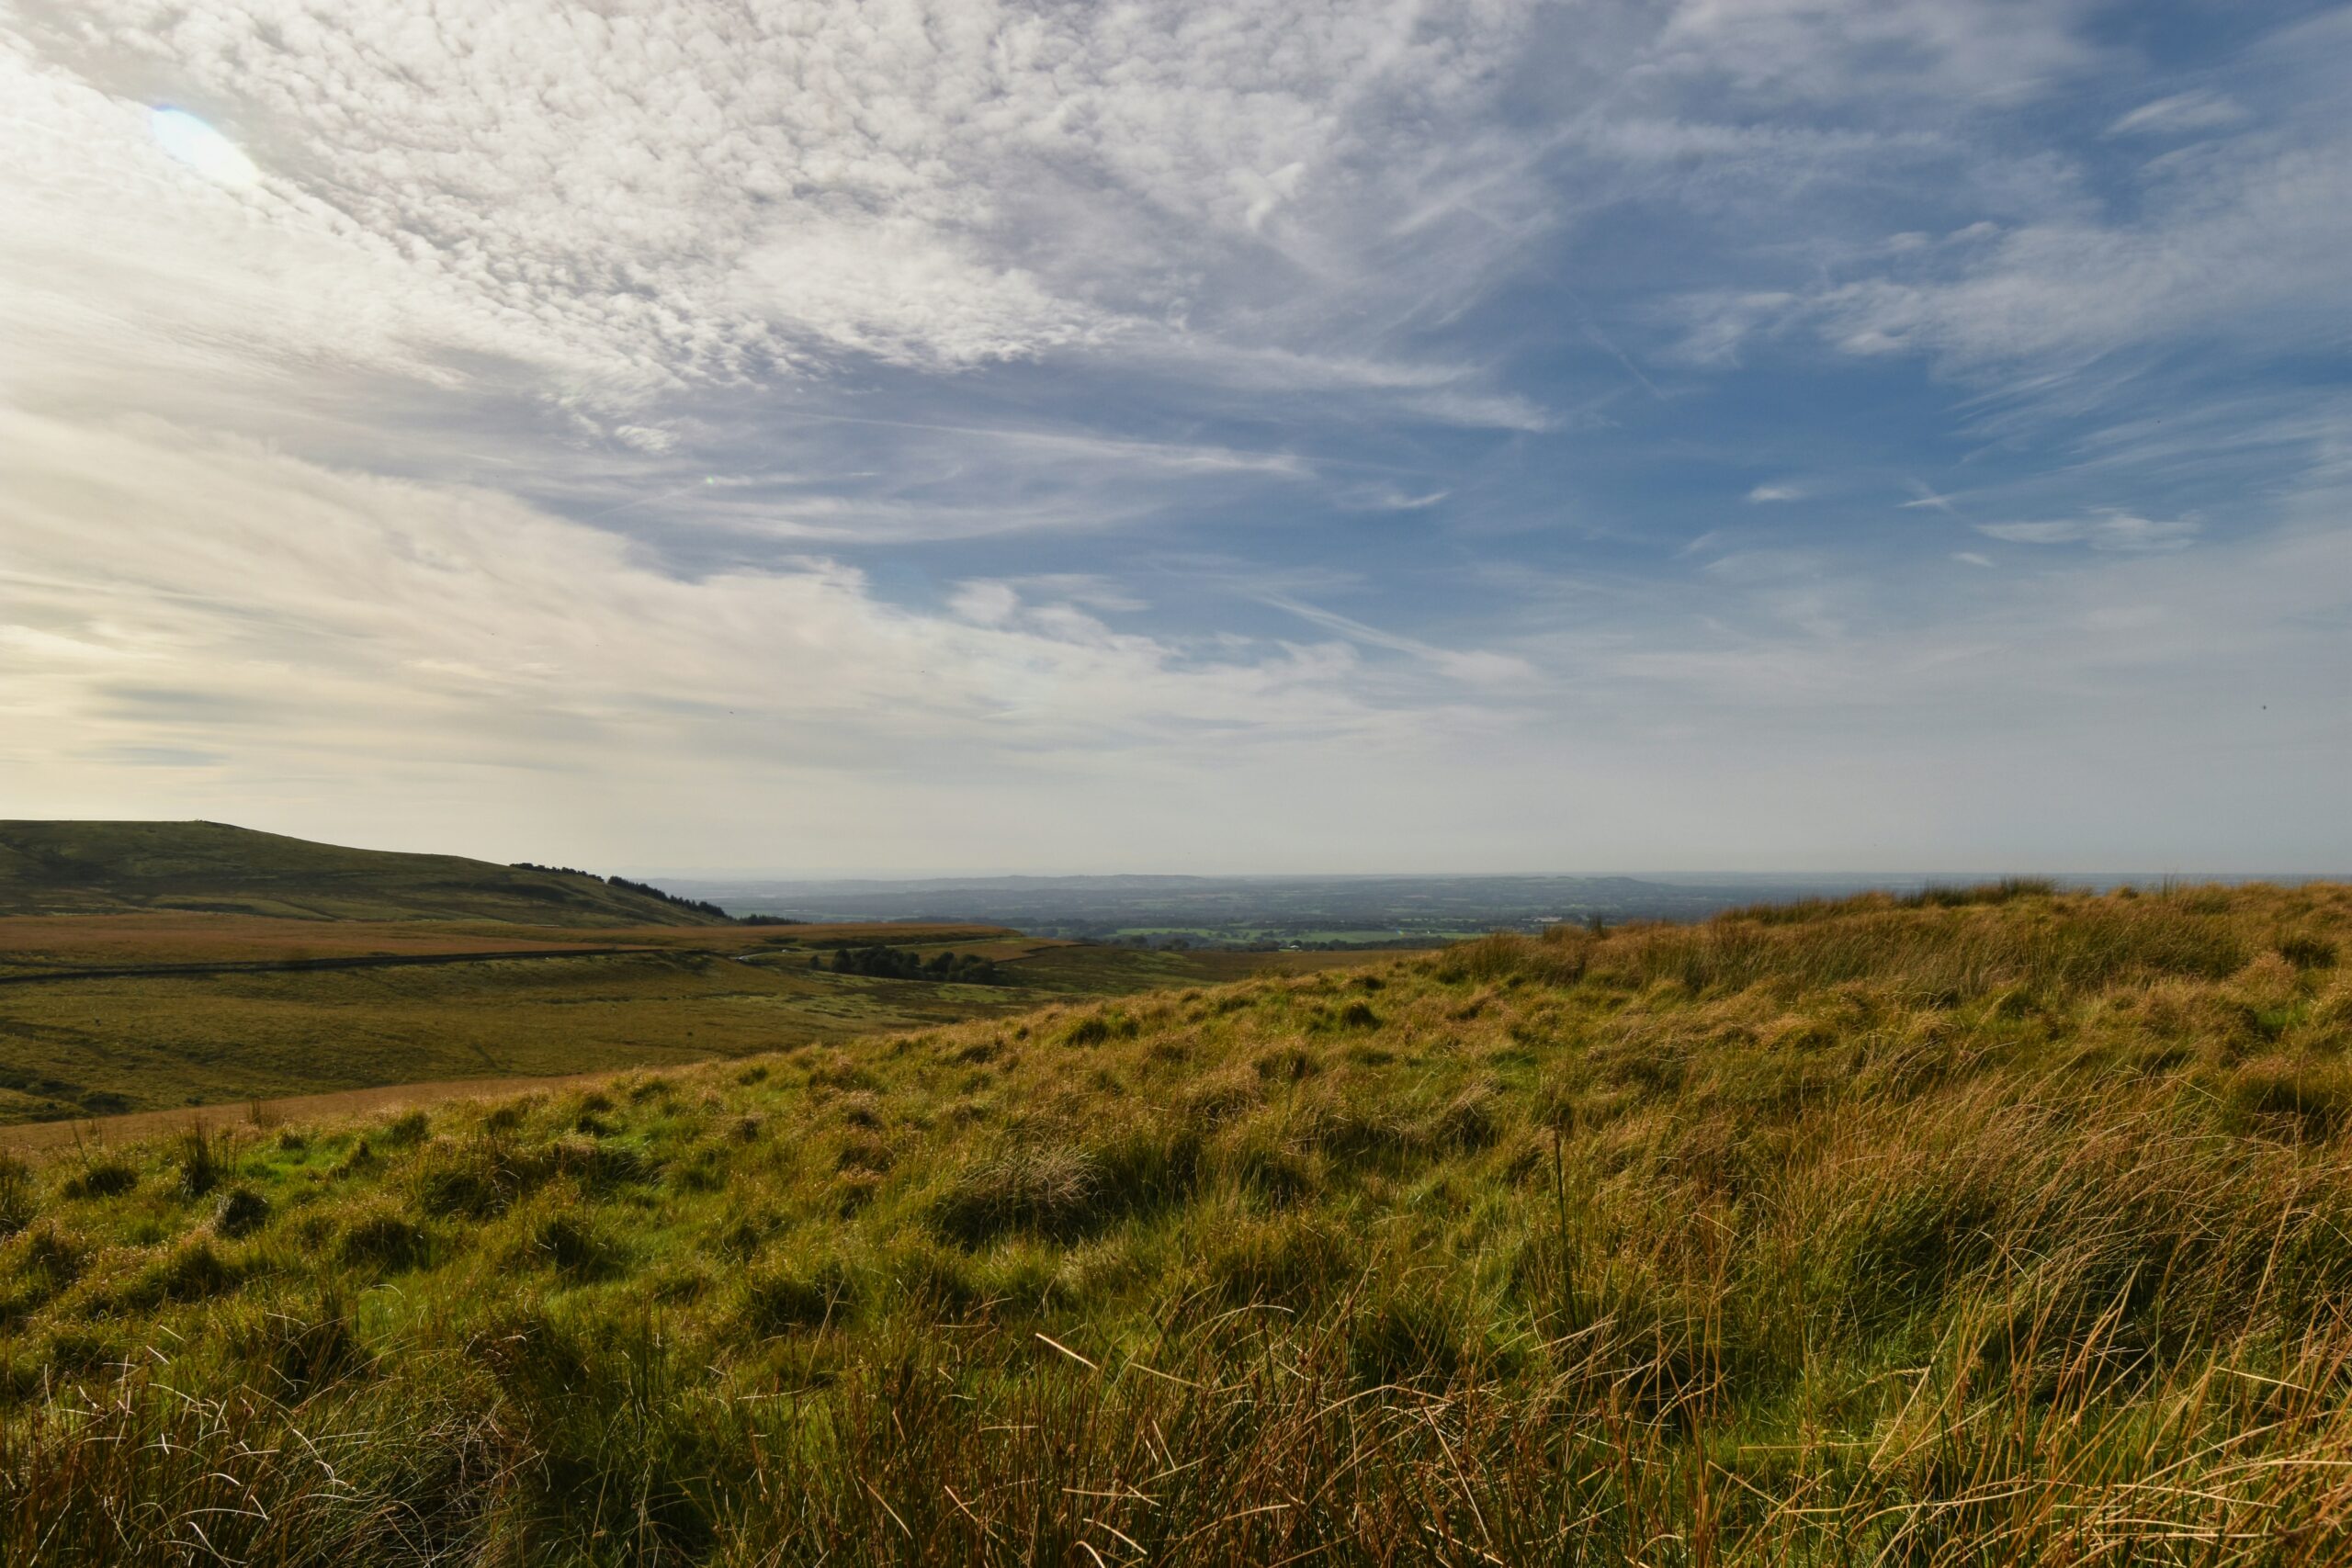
(2107, 530)
(1764, 493)
(299, 609)
(1845, 48)
(2245, 249)
(1471, 666)
(660, 196)
(2201, 108)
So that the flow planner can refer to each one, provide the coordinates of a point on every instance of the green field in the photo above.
(1997, 1228)
(102, 1047)
(152, 964)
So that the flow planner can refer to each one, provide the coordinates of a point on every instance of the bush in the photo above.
(385, 1240)
(1407, 1340)
(2306, 952)
(407, 1128)
(2311, 1098)
(202, 1159)
(570, 1241)
(239, 1212)
(191, 1273)
(101, 1176)
(789, 1297)
(296, 1352)
(1051, 1190)
(479, 1179)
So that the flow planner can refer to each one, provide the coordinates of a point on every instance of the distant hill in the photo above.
(108, 867)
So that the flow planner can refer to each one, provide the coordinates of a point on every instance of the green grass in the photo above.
(73, 867)
(2007, 1231)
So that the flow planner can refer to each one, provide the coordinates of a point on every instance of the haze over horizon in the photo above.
(1764, 435)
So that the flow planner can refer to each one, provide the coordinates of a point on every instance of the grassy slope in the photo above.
(2004, 1232)
(108, 867)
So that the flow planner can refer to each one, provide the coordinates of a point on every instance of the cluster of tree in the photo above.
(700, 906)
(898, 964)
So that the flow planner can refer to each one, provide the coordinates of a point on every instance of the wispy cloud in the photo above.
(2201, 108)
(2106, 531)
(1476, 667)
(846, 430)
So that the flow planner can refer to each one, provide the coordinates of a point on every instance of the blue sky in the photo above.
(1741, 434)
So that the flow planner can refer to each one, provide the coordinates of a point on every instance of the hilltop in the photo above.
(2001, 1225)
(75, 867)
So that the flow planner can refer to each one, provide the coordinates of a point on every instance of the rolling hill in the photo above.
(72, 867)
(1986, 1227)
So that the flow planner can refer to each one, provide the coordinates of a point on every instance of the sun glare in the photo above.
(201, 148)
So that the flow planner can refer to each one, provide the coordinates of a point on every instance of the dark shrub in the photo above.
(599, 1166)
(2308, 952)
(1409, 1341)
(192, 1273)
(406, 1128)
(570, 1242)
(1064, 1190)
(241, 1211)
(1091, 1029)
(385, 1240)
(52, 1259)
(202, 1161)
(297, 1352)
(779, 1299)
(2311, 1100)
(1051, 1190)
(1468, 1124)
(477, 1178)
(103, 1175)
(1286, 1064)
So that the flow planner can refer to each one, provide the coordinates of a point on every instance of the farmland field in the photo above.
(115, 1043)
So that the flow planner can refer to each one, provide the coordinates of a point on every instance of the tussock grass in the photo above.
(1992, 1225)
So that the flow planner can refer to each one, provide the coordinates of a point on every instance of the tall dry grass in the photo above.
(2012, 1228)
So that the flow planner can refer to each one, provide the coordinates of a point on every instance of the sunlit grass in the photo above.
(2013, 1228)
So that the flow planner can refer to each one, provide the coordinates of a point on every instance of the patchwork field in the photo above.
(1995, 1228)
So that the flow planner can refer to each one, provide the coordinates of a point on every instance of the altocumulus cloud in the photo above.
(727, 434)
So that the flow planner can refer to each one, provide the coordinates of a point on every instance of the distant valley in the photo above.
(1283, 911)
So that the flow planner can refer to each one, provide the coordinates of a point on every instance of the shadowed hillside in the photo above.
(1988, 1227)
(107, 867)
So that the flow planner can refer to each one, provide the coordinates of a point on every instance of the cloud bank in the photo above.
(839, 436)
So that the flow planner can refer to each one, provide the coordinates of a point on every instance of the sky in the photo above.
(863, 437)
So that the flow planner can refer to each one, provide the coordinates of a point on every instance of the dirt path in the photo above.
(33, 1136)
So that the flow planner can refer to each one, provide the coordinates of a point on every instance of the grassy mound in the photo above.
(75, 867)
(2008, 1228)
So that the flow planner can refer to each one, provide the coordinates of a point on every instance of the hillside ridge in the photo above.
(101, 867)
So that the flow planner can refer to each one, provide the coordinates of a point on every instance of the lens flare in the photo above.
(201, 148)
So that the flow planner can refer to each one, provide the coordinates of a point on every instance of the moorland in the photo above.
(2004, 1225)
(150, 965)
